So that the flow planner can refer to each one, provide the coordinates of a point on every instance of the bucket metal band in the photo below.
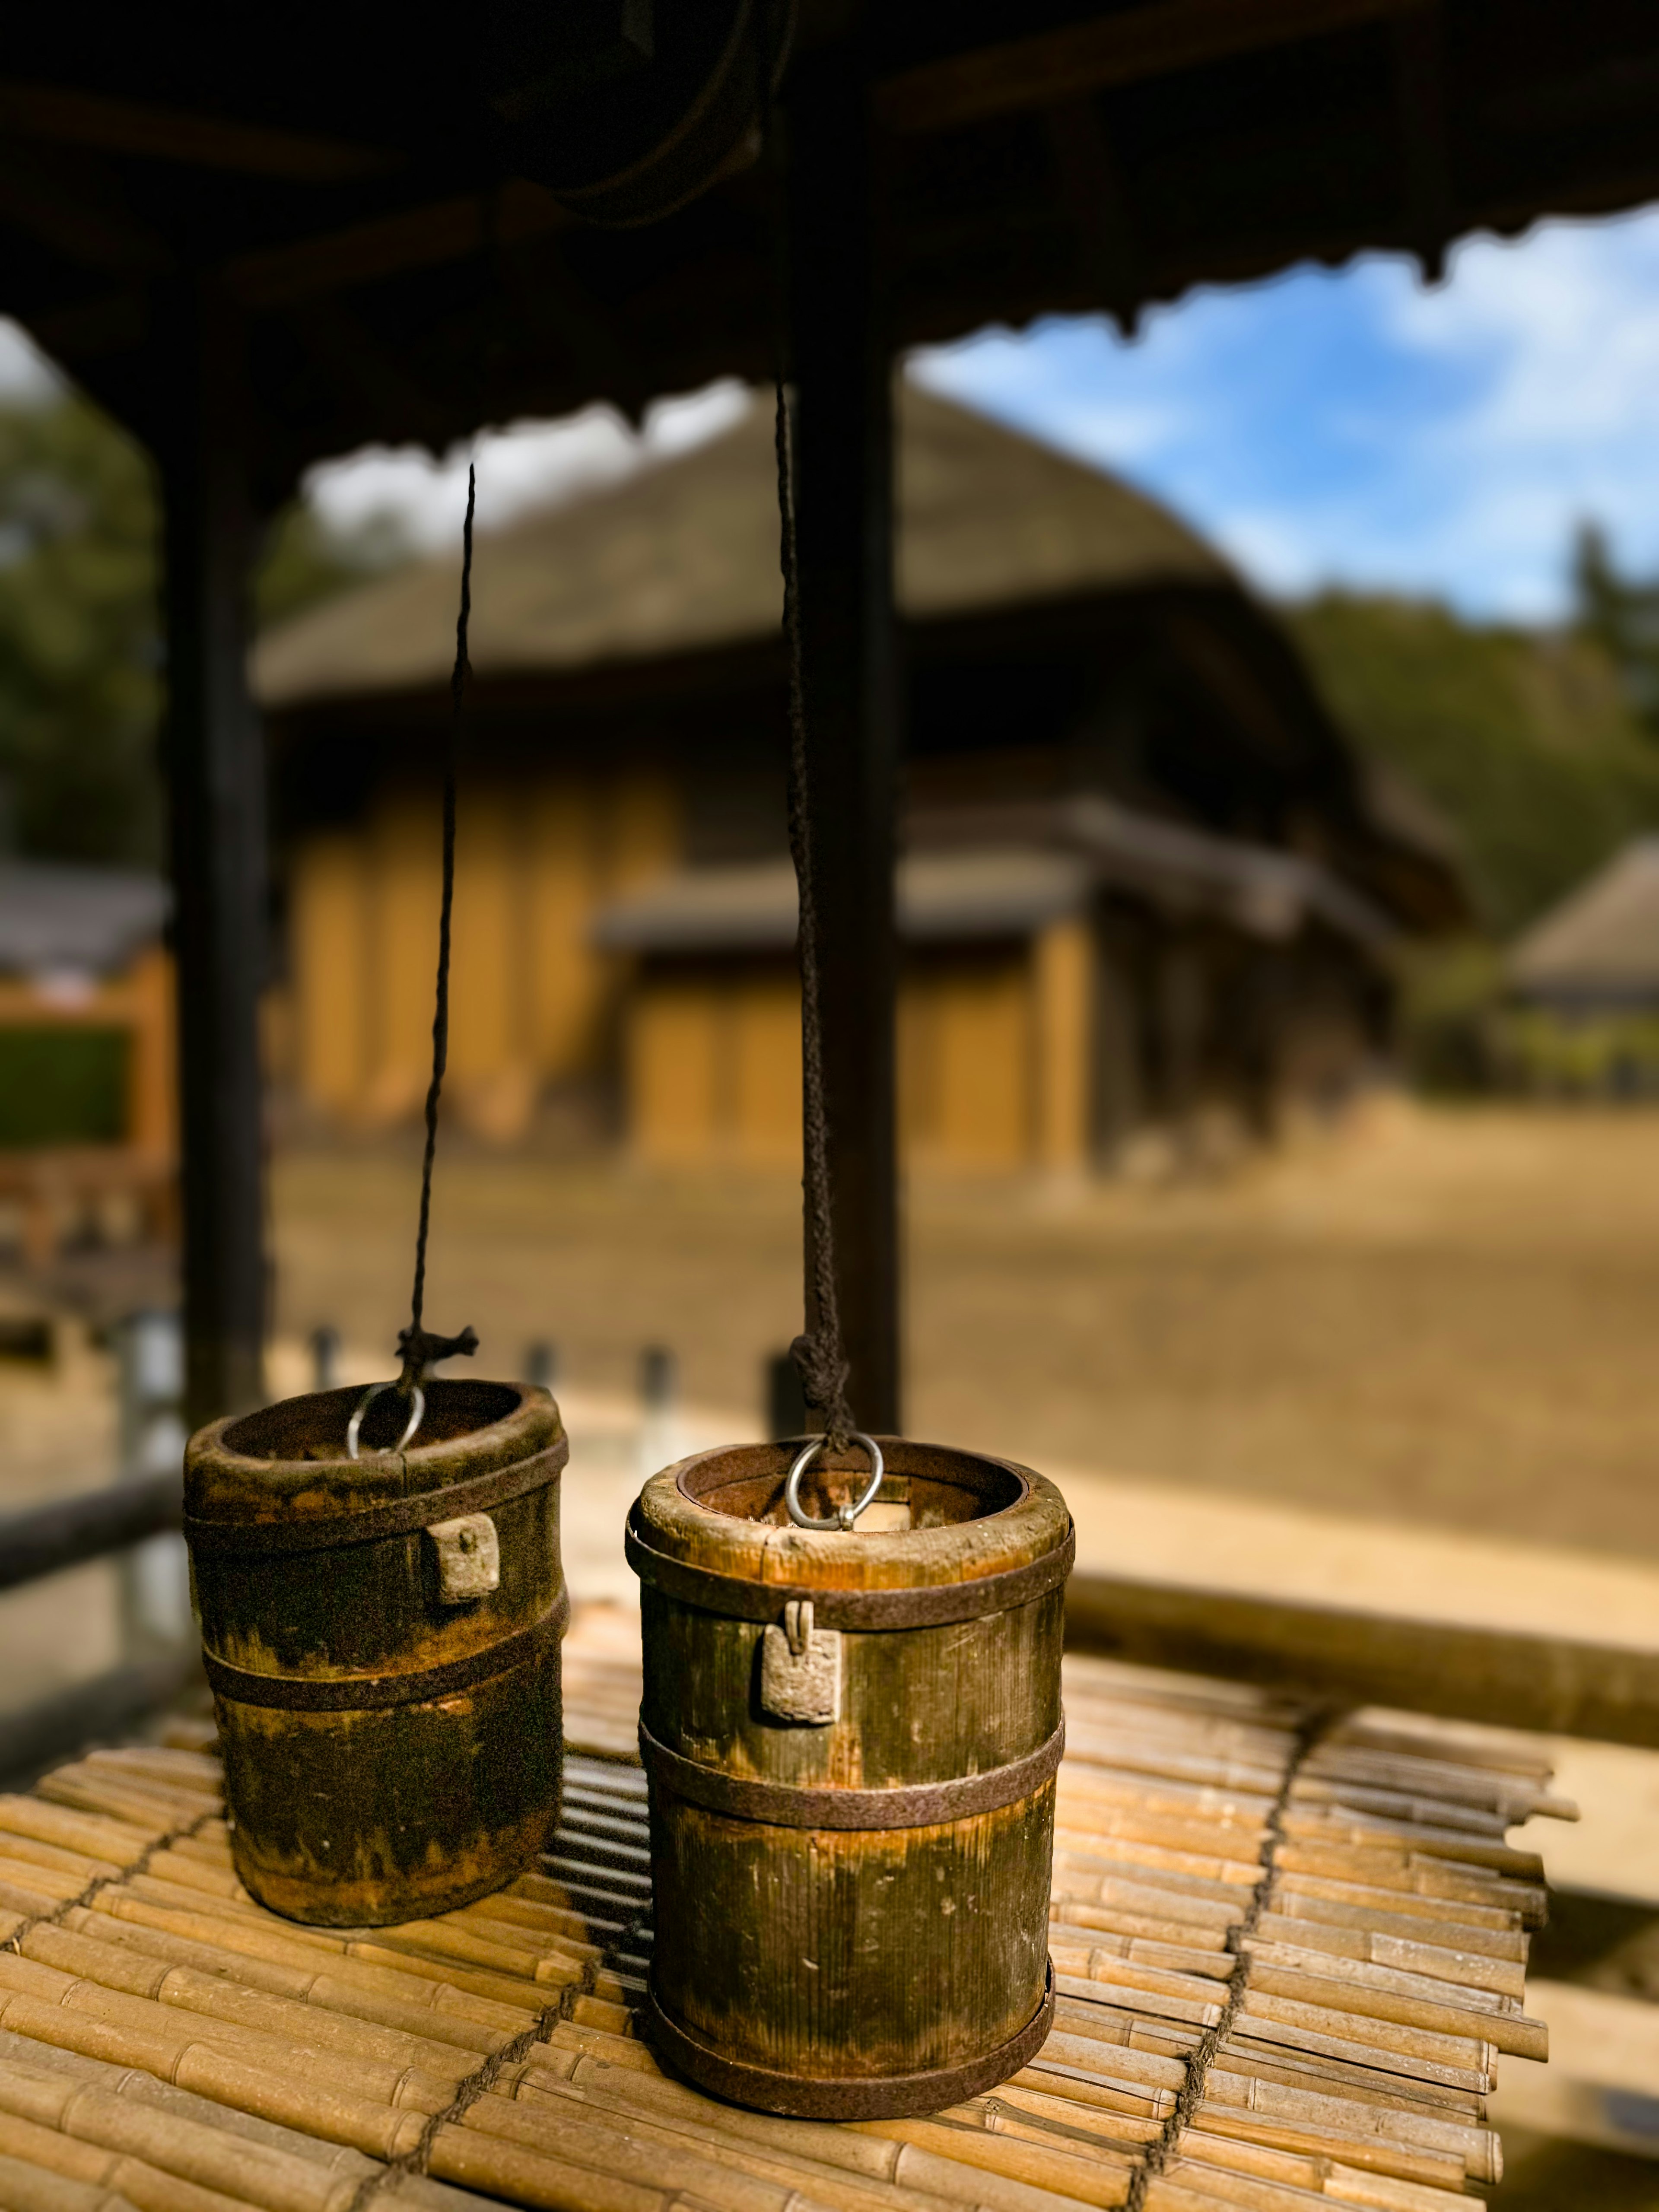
(792, 1805)
(871, 2097)
(356, 1693)
(395, 1516)
(923, 1605)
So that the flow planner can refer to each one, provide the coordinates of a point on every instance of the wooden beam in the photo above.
(103, 1709)
(416, 238)
(70, 206)
(1420, 88)
(843, 370)
(74, 117)
(353, 358)
(1504, 1678)
(111, 322)
(215, 786)
(559, 314)
(1095, 201)
(1126, 47)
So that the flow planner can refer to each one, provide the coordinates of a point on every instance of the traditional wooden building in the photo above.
(1146, 873)
(1597, 952)
(87, 1112)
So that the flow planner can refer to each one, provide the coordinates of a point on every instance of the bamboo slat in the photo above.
(1331, 1930)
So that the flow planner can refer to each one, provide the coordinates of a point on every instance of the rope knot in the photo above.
(419, 1348)
(823, 1378)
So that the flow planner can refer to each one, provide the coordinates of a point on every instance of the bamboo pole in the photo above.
(252, 2143)
(25, 2187)
(148, 2187)
(1385, 1974)
(336, 1991)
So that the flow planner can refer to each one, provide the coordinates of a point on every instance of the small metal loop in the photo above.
(416, 1415)
(845, 1516)
(798, 1625)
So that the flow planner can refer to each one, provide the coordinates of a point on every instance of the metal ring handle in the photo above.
(844, 1515)
(354, 1426)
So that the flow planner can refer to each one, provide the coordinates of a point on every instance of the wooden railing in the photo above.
(1507, 1678)
(44, 1540)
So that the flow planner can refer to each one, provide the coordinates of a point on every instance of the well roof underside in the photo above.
(1043, 156)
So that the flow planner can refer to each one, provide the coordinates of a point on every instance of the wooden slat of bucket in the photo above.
(1385, 1968)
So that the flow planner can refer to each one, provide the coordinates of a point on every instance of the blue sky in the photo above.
(1358, 428)
(1351, 427)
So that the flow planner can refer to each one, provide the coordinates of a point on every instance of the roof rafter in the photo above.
(74, 117)
(414, 238)
(1123, 48)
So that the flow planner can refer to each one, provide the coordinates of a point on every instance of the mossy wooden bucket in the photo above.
(851, 1741)
(381, 1636)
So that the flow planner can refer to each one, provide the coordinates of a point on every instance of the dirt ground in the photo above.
(1441, 1316)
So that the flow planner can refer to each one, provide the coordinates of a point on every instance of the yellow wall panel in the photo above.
(643, 830)
(968, 1037)
(674, 1041)
(487, 971)
(567, 980)
(331, 980)
(490, 1026)
(405, 860)
(151, 1076)
(764, 1040)
(1063, 977)
(917, 1068)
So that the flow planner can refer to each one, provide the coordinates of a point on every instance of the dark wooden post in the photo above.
(216, 779)
(842, 369)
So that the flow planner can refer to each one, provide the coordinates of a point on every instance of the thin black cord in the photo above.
(817, 1354)
(440, 1011)
(819, 1359)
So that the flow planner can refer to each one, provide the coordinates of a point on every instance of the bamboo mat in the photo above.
(1288, 1956)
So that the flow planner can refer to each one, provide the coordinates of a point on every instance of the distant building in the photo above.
(1584, 1016)
(1144, 873)
(87, 1112)
(1598, 950)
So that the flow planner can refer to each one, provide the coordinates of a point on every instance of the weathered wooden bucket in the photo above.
(382, 1640)
(851, 1741)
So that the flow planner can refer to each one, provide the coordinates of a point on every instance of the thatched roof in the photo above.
(55, 917)
(684, 555)
(1602, 942)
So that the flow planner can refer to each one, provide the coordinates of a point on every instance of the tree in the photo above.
(1525, 742)
(80, 637)
(305, 560)
(81, 658)
(1622, 617)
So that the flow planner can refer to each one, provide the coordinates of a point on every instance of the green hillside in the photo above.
(1528, 744)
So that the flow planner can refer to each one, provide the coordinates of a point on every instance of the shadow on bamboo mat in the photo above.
(1289, 1954)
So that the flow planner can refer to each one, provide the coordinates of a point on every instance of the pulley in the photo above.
(626, 109)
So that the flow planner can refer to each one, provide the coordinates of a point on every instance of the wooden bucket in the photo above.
(381, 1636)
(851, 1741)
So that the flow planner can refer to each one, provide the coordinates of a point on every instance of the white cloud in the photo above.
(532, 464)
(25, 372)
